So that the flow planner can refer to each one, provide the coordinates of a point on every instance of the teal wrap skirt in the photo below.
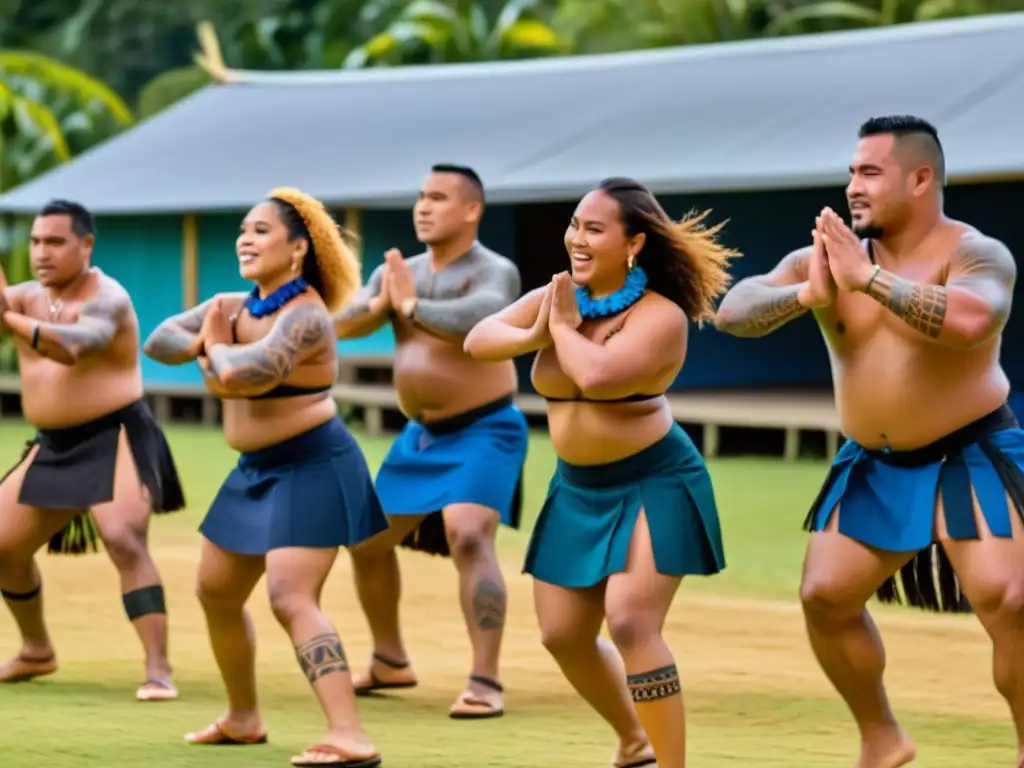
(583, 533)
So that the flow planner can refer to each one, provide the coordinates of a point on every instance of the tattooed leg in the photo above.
(471, 532)
(295, 578)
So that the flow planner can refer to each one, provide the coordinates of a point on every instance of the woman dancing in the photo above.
(301, 488)
(630, 509)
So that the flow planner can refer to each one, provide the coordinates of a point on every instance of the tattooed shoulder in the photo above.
(305, 327)
(110, 303)
(979, 256)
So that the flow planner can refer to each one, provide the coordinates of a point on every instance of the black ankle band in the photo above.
(486, 682)
(390, 662)
(657, 684)
(142, 602)
(21, 597)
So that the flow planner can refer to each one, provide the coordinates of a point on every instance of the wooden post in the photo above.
(189, 261)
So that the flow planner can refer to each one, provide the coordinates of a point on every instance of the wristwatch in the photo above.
(408, 307)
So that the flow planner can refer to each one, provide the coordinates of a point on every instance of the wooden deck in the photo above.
(794, 413)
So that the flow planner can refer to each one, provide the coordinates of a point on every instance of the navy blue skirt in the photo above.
(313, 490)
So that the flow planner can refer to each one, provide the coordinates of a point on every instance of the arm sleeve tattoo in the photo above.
(495, 288)
(981, 278)
(360, 303)
(763, 309)
(97, 325)
(264, 363)
(922, 307)
(172, 340)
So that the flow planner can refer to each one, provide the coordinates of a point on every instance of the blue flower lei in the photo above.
(258, 307)
(624, 298)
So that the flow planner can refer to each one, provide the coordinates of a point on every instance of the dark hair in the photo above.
(331, 266)
(82, 222)
(465, 172)
(910, 126)
(682, 259)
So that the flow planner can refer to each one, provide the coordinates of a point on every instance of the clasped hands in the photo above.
(398, 286)
(838, 262)
(558, 307)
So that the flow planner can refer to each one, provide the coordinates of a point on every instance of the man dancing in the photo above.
(97, 448)
(454, 473)
(913, 319)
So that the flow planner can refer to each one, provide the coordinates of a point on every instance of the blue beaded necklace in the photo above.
(258, 307)
(624, 298)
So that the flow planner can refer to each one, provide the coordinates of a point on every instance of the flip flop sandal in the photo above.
(157, 689)
(45, 667)
(309, 757)
(376, 684)
(215, 736)
(469, 707)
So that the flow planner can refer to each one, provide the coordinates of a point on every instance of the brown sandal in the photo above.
(215, 736)
(311, 755)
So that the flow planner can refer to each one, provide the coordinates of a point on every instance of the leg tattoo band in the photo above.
(321, 656)
(657, 684)
(21, 597)
(142, 602)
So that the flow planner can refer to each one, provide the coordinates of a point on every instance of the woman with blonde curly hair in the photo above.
(630, 510)
(301, 488)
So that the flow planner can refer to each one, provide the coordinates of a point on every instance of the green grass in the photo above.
(755, 695)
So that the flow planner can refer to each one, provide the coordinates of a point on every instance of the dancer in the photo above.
(630, 509)
(99, 463)
(454, 473)
(301, 488)
(912, 316)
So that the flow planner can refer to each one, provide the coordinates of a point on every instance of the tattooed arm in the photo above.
(496, 287)
(299, 333)
(98, 323)
(970, 309)
(758, 305)
(366, 312)
(176, 340)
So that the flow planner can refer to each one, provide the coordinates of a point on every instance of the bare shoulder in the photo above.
(657, 311)
(978, 253)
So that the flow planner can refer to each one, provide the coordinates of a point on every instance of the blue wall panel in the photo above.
(144, 255)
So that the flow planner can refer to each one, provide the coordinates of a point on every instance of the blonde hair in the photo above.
(331, 266)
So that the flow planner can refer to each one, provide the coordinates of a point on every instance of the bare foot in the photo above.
(481, 699)
(27, 665)
(634, 754)
(889, 749)
(352, 750)
(384, 674)
(232, 728)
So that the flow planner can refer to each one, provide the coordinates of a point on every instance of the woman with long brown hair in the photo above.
(301, 488)
(630, 509)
